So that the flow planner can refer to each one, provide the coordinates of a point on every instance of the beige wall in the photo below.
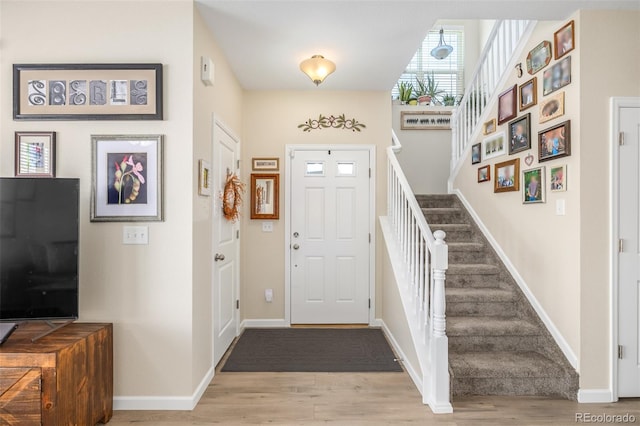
(224, 98)
(600, 79)
(425, 154)
(270, 122)
(564, 259)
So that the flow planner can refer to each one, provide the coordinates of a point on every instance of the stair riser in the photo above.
(543, 386)
(492, 343)
(476, 281)
(436, 218)
(485, 309)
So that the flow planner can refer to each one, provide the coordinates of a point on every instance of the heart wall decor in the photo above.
(528, 160)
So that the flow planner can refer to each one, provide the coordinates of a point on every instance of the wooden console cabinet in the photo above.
(65, 378)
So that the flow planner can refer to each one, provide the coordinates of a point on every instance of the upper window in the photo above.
(448, 73)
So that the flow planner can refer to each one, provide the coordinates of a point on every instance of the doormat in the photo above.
(312, 350)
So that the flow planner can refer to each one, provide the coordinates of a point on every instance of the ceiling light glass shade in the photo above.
(317, 68)
(442, 50)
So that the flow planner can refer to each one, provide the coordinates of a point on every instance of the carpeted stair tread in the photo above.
(465, 246)
(502, 365)
(472, 269)
(489, 326)
(480, 295)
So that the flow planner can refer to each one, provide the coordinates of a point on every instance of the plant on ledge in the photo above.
(406, 91)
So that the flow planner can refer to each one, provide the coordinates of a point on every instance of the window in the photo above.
(448, 72)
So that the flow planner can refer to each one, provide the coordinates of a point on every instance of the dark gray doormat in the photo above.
(312, 350)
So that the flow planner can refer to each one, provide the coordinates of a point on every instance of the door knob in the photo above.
(296, 246)
(218, 257)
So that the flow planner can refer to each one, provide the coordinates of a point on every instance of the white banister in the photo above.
(423, 258)
(503, 46)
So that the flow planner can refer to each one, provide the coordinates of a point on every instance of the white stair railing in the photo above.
(423, 257)
(503, 46)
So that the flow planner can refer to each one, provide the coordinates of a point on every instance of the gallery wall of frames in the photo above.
(530, 124)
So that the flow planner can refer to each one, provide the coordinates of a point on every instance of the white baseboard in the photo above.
(264, 323)
(377, 323)
(590, 396)
(413, 373)
(179, 403)
(555, 333)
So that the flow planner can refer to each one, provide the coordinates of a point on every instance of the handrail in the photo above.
(497, 58)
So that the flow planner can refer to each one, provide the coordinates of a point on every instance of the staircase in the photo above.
(497, 343)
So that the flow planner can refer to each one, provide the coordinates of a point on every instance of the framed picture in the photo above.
(528, 93)
(476, 153)
(507, 176)
(265, 196)
(507, 104)
(484, 173)
(35, 154)
(564, 40)
(558, 178)
(87, 92)
(551, 107)
(126, 178)
(554, 142)
(266, 164)
(204, 178)
(489, 127)
(425, 120)
(494, 146)
(520, 134)
(556, 77)
(539, 57)
(533, 186)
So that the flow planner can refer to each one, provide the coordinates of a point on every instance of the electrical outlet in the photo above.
(135, 235)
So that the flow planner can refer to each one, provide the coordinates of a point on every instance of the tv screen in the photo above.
(38, 248)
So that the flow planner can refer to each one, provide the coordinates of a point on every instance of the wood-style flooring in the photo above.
(357, 399)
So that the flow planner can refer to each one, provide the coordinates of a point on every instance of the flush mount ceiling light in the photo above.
(442, 50)
(317, 68)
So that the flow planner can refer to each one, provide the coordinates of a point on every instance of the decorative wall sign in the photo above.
(126, 178)
(339, 122)
(87, 92)
(265, 164)
(539, 57)
(35, 154)
(425, 120)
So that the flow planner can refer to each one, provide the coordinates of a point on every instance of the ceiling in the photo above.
(370, 41)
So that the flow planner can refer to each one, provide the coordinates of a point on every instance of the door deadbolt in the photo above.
(218, 257)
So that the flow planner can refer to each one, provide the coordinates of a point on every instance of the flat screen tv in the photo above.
(38, 249)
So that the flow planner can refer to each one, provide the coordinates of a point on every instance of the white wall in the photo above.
(425, 154)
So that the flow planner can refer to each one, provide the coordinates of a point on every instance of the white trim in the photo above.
(591, 396)
(264, 323)
(182, 403)
(289, 149)
(411, 369)
(614, 231)
(555, 333)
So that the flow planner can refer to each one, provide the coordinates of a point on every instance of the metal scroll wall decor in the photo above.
(339, 122)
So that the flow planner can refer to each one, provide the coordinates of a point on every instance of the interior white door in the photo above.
(225, 246)
(629, 258)
(330, 237)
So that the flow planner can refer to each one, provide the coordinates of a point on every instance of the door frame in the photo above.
(289, 150)
(614, 202)
(216, 203)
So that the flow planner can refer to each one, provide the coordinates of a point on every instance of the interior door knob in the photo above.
(296, 246)
(218, 257)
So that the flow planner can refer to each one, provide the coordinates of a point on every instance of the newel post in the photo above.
(439, 398)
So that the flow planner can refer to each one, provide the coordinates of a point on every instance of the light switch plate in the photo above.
(267, 226)
(207, 71)
(135, 235)
(560, 210)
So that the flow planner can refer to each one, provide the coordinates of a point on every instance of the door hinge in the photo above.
(619, 351)
(369, 172)
(237, 304)
(621, 138)
(620, 245)
(237, 234)
(369, 237)
(238, 164)
(369, 303)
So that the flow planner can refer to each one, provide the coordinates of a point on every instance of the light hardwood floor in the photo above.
(356, 399)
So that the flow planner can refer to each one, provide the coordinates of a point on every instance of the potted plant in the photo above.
(432, 89)
(421, 92)
(448, 100)
(406, 90)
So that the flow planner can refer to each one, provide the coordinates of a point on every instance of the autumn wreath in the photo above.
(232, 197)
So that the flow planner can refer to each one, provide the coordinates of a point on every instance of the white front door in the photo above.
(330, 241)
(225, 253)
(629, 258)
